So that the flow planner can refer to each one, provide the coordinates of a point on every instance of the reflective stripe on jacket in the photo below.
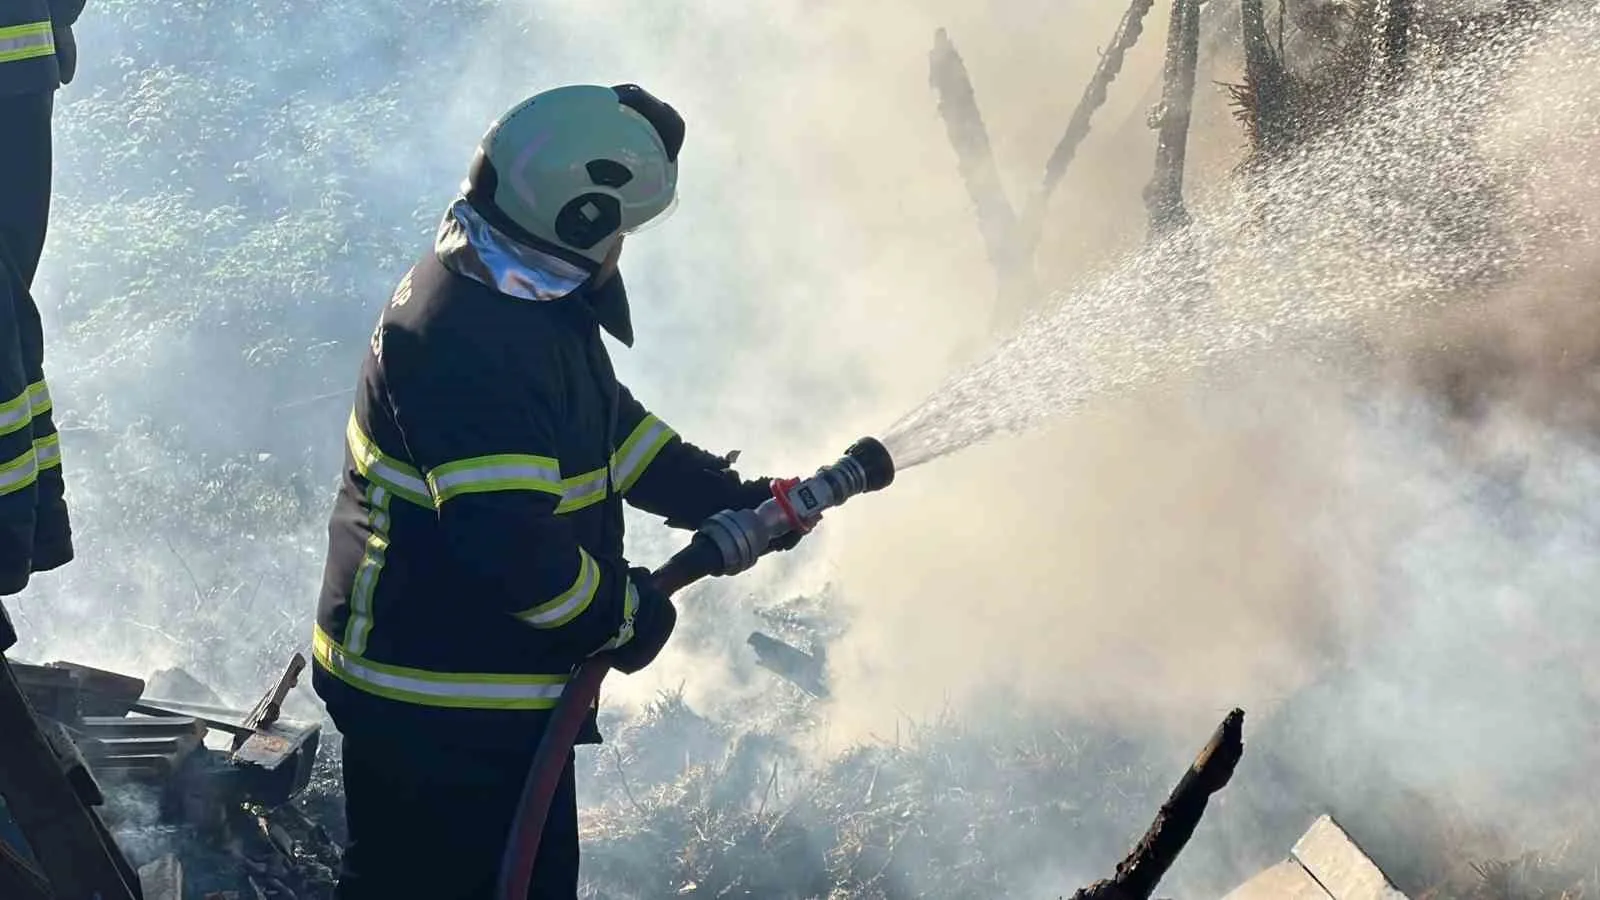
(28, 47)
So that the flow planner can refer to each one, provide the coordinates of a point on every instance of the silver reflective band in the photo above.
(374, 465)
(39, 398)
(15, 413)
(582, 490)
(572, 601)
(495, 473)
(446, 689)
(48, 450)
(20, 472)
(19, 42)
(638, 451)
(373, 558)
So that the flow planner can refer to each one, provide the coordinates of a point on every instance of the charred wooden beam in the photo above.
(66, 836)
(997, 220)
(789, 662)
(1163, 196)
(1129, 28)
(19, 880)
(1138, 875)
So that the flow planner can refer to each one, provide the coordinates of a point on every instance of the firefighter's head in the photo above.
(572, 170)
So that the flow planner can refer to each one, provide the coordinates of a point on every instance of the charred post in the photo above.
(1163, 196)
(1138, 875)
(1129, 28)
(997, 220)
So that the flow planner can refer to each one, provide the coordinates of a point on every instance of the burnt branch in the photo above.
(1138, 875)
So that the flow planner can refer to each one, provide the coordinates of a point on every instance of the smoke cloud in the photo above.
(1380, 554)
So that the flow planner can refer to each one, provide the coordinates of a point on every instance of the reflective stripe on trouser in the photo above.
(456, 690)
(16, 413)
(19, 472)
(48, 451)
(30, 41)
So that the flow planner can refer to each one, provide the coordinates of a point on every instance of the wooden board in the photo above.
(1287, 880)
(1334, 860)
(65, 835)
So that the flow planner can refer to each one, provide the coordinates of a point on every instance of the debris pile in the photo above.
(196, 796)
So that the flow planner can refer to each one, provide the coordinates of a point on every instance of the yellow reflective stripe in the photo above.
(19, 472)
(572, 602)
(630, 607)
(581, 491)
(638, 451)
(15, 413)
(19, 42)
(405, 481)
(39, 398)
(48, 451)
(456, 690)
(497, 472)
(366, 581)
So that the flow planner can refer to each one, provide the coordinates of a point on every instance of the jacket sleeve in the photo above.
(18, 465)
(65, 13)
(481, 430)
(659, 472)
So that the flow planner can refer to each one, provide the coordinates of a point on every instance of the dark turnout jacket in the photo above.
(475, 547)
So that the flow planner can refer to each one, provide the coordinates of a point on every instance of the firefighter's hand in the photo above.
(653, 622)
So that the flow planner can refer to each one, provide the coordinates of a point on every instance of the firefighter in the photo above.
(37, 56)
(475, 546)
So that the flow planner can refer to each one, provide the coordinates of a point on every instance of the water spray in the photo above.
(727, 543)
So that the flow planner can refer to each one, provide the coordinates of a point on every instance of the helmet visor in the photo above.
(657, 219)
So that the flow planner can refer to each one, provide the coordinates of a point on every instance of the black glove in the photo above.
(653, 622)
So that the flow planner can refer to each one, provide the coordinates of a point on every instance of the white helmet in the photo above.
(573, 169)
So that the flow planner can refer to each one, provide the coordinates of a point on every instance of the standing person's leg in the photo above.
(25, 178)
(433, 822)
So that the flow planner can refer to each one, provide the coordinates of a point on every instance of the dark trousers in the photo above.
(431, 823)
(25, 178)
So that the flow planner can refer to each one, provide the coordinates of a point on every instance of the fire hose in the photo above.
(725, 544)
